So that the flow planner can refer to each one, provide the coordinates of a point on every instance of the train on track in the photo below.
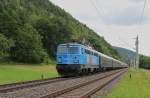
(76, 59)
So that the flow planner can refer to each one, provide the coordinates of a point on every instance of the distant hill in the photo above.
(129, 57)
(126, 54)
(32, 29)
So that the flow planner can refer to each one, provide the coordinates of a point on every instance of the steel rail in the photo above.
(65, 90)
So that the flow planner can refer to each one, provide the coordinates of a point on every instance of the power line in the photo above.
(98, 12)
(118, 35)
(142, 13)
(125, 42)
(103, 12)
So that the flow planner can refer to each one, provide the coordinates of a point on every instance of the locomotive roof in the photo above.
(71, 44)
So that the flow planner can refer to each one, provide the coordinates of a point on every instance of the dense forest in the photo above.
(30, 31)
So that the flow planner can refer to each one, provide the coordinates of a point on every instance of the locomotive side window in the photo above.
(87, 51)
(95, 54)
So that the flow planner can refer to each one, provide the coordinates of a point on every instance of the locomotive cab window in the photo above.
(73, 50)
(68, 49)
(62, 50)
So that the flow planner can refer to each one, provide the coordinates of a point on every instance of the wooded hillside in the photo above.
(30, 30)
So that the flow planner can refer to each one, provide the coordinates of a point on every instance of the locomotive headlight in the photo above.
(75, 59)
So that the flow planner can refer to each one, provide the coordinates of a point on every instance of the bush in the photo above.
(144, 62)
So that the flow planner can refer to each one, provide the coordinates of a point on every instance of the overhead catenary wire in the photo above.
(101, 14)
(142, 13)
(141, 16)
(97, 10)
(98, 13)
(130, 46)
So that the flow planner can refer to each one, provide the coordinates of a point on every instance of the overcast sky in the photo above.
(116, 20)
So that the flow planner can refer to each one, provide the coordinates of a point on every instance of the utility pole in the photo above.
(137, 52)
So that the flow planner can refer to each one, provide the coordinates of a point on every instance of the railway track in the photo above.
(21, 85)
(85, 90)
(64, 88)
(29, 84)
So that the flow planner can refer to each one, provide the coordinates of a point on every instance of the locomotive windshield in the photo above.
(73, 50)
(68, 49)
(63, 50)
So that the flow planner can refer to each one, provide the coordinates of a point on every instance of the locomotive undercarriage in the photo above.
(74, 70)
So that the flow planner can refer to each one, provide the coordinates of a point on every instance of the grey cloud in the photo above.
(87, 17)
(137, 1)
(129, 16)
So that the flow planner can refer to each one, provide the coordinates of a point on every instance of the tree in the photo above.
(144, 62)
(53, 31)
(5, 45)
(28, 46)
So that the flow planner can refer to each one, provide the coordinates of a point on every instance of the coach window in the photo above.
(87, 51)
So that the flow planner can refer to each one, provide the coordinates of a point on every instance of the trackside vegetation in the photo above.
(138, 86)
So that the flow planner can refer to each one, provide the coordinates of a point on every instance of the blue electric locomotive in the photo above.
(74, 59)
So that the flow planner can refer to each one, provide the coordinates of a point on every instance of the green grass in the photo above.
(11, 73)
(136, 87)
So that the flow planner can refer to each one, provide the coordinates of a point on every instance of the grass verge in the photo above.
(138, 86)
(11, 73)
